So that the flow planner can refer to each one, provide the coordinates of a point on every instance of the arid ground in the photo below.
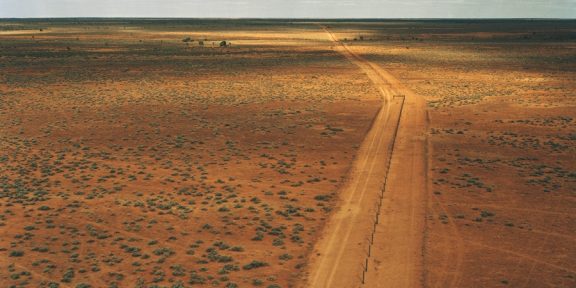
(141, 153)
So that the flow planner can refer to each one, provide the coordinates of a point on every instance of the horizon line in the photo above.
(285, 18)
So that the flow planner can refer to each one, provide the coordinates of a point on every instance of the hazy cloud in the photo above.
(291, 8)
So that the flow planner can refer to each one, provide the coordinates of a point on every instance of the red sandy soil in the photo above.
(440, 153)
(129, 164)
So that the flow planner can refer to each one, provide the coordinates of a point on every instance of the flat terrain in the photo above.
(131, 158)
(140, 153)
(347, 232)
(501, 206)
(344, 255)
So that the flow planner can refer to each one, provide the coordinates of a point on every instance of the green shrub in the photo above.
(254, 264)
(68, 275)
(322, 198)
(16, 253)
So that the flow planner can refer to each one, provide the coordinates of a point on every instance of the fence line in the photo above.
(382, 190)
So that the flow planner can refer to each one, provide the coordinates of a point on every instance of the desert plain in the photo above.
(287, 153)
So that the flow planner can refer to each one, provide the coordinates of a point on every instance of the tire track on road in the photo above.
(342, 248)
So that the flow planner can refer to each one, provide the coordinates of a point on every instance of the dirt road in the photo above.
(395, 260)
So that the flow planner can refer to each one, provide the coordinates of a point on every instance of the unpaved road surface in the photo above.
(396, 255)
(397, 258)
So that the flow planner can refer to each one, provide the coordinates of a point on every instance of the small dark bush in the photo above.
(254, 264)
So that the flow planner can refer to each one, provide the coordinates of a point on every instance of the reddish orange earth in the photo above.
(140, 153)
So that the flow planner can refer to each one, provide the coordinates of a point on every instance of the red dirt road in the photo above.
(397, 259)
(396, 253)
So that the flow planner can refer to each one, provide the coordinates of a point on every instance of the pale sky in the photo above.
(290, 8)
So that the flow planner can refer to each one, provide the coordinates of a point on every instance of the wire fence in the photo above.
(364, 263)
